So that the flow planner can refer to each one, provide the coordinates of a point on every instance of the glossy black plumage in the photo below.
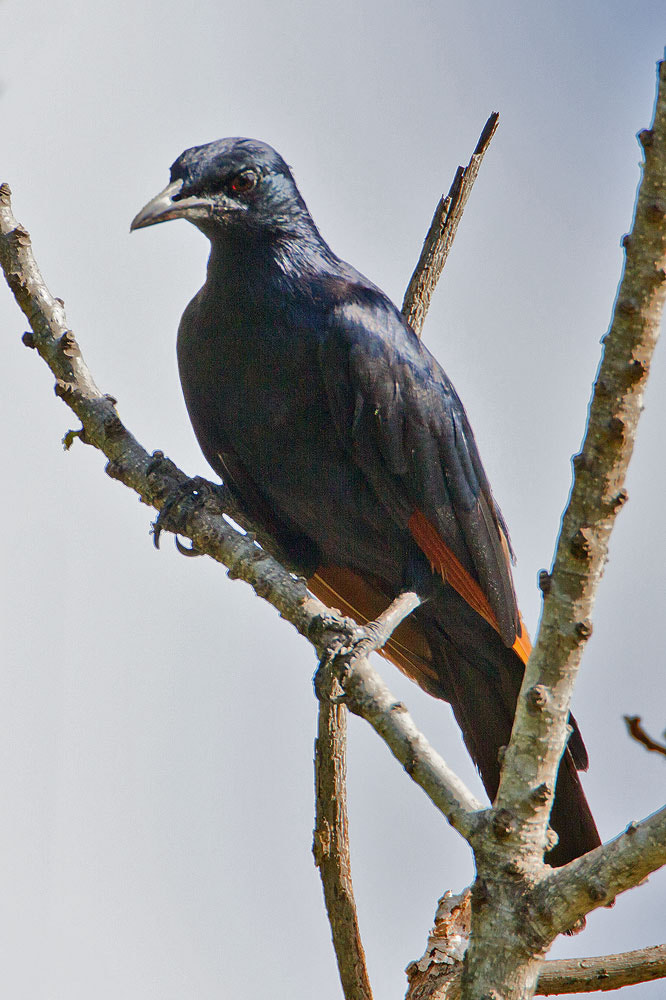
(336, 427)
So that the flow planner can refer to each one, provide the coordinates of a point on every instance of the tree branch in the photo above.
(518, 823)
(331, 840)
(637, 733)
(602, 973)
(597, 495)
(438, 974)
(567, 894)
(155, 478)
(368, 696)
(441, 234)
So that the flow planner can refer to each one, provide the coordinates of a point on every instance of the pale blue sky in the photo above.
(156, 721)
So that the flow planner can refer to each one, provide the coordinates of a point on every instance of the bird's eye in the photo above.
(244, 182)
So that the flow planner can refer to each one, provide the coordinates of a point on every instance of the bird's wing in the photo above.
(399, 417)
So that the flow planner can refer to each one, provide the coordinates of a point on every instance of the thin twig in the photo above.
(367, 695)
(637, 733)
(441, 234)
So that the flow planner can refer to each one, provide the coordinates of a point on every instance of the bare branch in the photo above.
(369, 697)
(331, 842)
(441, 234)
(602, 973)
(331, 835)
(540, 727)
(637, 733)
(438, 974)
(568, 893)
(436, 247)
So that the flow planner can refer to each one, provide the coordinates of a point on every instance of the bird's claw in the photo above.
(374, 636)
(187, 550)
(190, 493)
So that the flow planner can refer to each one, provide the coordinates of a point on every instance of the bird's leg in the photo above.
(382, 628)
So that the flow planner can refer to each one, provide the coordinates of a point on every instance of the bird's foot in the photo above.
(337, 637)
(379, 631)
(180, 502)
(352, 641)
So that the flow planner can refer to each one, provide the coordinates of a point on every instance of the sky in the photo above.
(156, 719)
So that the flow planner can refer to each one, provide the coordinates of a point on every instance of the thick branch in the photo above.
(540, 727)
(438, 974)
(154, 478)
(516, 835)
(567, 894)
(441, 234)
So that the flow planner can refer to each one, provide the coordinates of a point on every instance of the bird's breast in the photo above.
(252, 380)
(258, 403)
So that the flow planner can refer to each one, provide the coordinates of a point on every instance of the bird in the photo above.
(338, 432)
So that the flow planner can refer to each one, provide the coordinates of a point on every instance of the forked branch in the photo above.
(540, 728)
(440, 236)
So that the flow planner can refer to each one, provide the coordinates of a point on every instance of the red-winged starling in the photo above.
(342, 436)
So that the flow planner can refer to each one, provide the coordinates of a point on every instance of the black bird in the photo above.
(339, 432)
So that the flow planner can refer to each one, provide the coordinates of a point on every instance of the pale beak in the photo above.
(163, 207)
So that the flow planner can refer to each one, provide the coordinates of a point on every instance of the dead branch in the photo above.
(602, 973)
(331, 840)
(637, 733)
(440, 236)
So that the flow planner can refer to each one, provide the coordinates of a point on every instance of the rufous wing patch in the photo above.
(444, 562)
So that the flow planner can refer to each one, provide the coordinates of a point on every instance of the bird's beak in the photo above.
(163, 207)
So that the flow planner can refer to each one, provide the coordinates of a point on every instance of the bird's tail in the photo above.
(482, 690)
(455, 655)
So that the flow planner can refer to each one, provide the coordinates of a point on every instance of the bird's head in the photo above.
(230, 186)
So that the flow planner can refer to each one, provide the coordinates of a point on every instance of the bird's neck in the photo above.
(254, 266)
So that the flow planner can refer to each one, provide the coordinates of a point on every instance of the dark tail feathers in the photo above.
(483, 695)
